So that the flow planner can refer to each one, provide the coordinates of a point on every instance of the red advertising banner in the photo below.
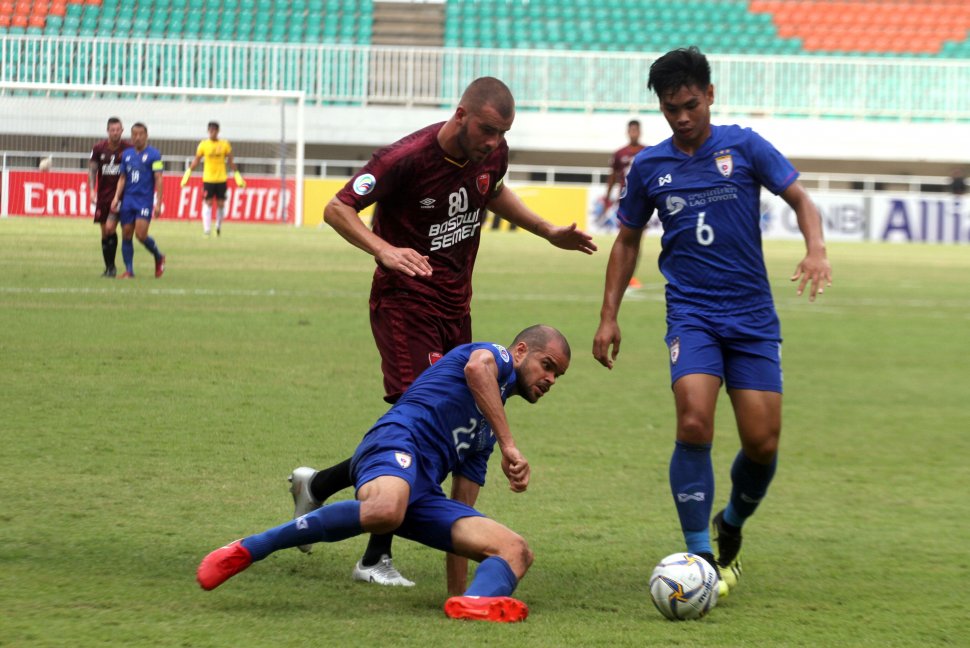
(66, 193)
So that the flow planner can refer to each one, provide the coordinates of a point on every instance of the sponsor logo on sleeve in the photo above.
(364, 184)
(502, 351)
(403, 459)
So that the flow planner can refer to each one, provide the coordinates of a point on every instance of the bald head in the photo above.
(540, 336)
(488, 91)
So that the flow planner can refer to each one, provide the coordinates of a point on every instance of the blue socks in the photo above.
(692, 485)
(330, 523)
(493, 577)
(149, 244)
(128, 254)
(749, 484)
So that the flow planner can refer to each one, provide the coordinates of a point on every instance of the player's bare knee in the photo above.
(694, 429)
(381, 516)
(517, 554)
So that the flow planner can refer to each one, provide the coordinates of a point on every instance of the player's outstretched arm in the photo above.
(509, 206)
(481, 374)
(619, 269)
(345, 220)
(814, 269)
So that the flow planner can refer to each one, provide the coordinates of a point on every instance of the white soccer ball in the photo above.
(45, 164)
(683, 586)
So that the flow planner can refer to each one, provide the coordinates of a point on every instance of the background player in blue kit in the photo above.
(138, 197)
(705, 183)
(447, 422)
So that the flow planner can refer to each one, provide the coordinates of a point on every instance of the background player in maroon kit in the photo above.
(620, 163)
(104, 169)
(432, 189)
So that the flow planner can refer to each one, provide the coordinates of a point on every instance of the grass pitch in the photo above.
(147, 422)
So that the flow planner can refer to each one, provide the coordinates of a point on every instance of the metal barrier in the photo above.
(871, 88)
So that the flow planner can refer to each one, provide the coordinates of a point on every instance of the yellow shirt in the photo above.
(215, 153)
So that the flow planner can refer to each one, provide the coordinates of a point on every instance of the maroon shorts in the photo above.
(101, 210)
(410, 340)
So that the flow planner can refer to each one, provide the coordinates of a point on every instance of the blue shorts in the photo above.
(128, 214)
(743, 350)
(390, 450)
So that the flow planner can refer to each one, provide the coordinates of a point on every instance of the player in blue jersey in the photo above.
(705, 182)
(138, 197)
(447, 422)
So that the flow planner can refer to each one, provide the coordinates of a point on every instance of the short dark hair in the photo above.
(113, 120)
(213, 124)
(538, 337)
(488, 91)
(680, 68)
(139, 125)
(633, 122)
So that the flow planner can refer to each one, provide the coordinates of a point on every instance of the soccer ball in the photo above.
(683, 586)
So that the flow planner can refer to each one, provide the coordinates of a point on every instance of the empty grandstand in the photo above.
(842, 84)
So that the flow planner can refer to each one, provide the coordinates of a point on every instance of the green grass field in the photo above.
(147, 422)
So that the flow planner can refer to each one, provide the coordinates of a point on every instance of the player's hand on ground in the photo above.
(516, 468)
(405, 260)
(572, 238)
(815, 270)
(607, 336)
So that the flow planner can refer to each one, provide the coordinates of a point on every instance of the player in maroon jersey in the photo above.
(620, 163)
(104, 169)
(431, 190)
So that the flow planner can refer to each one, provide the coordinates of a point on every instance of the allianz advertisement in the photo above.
(846, 216)
(895, 218)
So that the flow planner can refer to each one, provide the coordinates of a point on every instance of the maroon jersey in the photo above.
(621, 160)
(433, 204)
(109, 167)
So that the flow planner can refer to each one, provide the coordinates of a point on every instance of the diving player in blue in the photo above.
(705, 183)
(139, 196)
(447, 422)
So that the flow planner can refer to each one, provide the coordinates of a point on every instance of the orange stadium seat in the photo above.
(869, 26)
(4, 20)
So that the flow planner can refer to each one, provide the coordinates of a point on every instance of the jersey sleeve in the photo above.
(636, 207)
(157, 165)
(772, 169)
(200, 149)
(94, 154)
(377, 180)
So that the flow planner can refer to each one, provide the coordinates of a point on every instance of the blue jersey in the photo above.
(709, 206)
(139, 170)
(447, 426)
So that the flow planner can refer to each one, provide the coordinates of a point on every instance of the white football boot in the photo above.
(303, 501)
(383, 573)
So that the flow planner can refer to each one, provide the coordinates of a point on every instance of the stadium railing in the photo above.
(870, 88)
(520, 173)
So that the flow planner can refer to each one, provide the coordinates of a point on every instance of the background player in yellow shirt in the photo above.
(217, 153)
